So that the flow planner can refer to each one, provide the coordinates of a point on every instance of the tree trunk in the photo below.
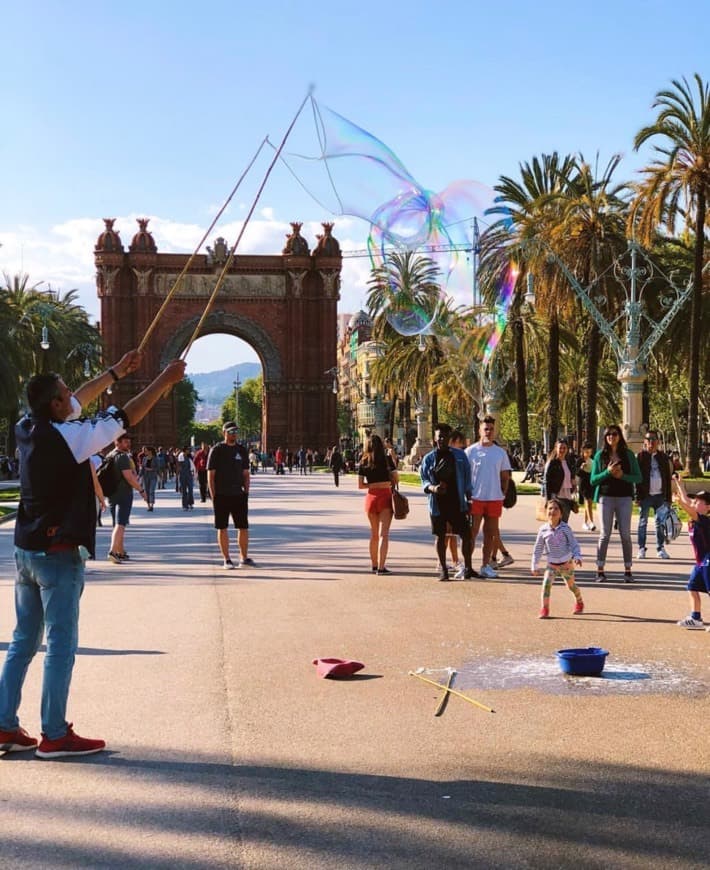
(592, 385)
(521, 388)
(393, 416)
(696, 329)
(553, 379)
(579, 422)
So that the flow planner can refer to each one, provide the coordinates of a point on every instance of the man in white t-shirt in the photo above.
(490, 473)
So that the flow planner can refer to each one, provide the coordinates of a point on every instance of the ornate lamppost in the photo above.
(631, 352)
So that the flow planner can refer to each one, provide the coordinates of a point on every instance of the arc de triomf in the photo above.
(284, 306)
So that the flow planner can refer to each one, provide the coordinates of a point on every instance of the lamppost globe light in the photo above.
(44, 343)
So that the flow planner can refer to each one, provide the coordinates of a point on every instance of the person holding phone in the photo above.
(615, 471)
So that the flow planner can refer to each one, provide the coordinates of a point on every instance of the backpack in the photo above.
(668, 519)
(109, 475)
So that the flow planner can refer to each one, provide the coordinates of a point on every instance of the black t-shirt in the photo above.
(228, 461)
(376, 473)
(445, 472)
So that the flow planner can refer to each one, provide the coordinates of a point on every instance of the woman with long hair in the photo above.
(559, 480)
(376, 474)
(615, 470)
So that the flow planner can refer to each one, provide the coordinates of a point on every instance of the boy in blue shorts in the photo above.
(698, 509)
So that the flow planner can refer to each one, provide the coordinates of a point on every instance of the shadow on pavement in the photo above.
(601, 815)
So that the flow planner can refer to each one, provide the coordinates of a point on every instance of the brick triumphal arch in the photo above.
(284, 306)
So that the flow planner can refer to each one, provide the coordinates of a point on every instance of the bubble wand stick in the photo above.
(223, 273)
(209, 229)
(452, 691)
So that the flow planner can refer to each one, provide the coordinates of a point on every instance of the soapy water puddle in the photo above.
(544, 674)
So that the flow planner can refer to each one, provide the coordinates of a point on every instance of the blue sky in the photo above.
(154, 109)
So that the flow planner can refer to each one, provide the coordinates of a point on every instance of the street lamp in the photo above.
(237, 385)
(334, 372)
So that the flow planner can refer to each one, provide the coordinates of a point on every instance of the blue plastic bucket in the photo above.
(586, 662)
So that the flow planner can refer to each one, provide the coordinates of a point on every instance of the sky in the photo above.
(138, 109)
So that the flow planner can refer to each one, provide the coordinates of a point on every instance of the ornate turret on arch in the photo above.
(328, 245)
(109, 241)
(143, 241)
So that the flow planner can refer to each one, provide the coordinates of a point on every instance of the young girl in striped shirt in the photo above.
(556, 541)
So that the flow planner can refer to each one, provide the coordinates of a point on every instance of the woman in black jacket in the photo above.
(559, 478)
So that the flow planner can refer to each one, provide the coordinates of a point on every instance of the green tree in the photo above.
(530, 212)
(31, 317)
(250, 408)
(590, 234)
(676, 185)
(186, 399)
(406, 289)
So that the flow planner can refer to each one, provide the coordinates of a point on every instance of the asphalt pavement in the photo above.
(226, 750)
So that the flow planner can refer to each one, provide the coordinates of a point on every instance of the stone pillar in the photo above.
(631, 376)
(422, 445)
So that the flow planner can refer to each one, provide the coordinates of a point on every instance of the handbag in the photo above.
(511, 494)
(400, 504)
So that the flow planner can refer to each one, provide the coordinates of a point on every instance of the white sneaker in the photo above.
(662, 554)
(460, 571)
(229, 565)
(506, 560)
(585, 526)
(489, 572)
(642, 553)
(689, 622)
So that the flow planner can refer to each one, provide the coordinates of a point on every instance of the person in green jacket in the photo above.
(615, 470)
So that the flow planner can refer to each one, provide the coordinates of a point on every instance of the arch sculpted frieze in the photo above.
(231, 324)
(236, 286)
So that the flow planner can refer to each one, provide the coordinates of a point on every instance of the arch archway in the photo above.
(284, 306)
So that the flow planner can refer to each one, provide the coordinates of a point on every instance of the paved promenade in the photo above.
(227, 751)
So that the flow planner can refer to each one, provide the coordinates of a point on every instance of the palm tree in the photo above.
(590, 235)
(677, 185)
(26, 311)
(529, 213)
(405, 301)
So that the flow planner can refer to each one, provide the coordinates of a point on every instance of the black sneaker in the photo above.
(470, 573)
(115, 558)
(229, 565)
(249, 563)
(443, 574)
(383, 571)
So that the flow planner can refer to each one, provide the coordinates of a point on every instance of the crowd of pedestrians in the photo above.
(467, 488)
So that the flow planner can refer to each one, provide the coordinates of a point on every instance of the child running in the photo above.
(698, 509)
(556, 540)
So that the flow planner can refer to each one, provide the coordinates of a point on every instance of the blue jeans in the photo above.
(651, 501)
(47, 592)
(619, 507)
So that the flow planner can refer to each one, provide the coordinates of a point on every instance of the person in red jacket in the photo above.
(200, 462)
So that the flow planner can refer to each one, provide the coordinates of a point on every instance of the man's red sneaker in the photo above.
(16, 741)
(70, 744)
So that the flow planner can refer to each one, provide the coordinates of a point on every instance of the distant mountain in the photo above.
(214, 387)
